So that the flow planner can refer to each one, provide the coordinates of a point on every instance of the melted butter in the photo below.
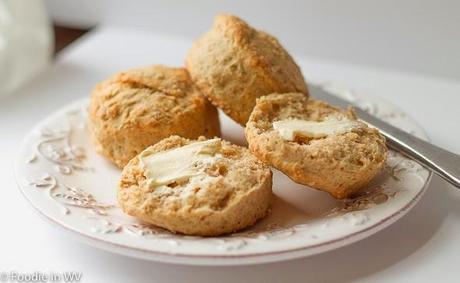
(179, 164)
(332, 125)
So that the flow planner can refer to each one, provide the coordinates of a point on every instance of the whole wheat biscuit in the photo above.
(233, 64)
(196, 187)
(337, 160)
(139, 107)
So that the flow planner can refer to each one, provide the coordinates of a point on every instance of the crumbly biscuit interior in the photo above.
(355, 147)
(213, 178)
(280, 109)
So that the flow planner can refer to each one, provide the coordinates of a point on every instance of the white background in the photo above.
(422, 247)
(412, 35)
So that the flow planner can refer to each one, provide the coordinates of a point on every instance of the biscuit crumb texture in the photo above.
(139, 107)
(231, 192)
(233, 64)
(339, 164)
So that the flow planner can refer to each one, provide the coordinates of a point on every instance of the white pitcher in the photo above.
(25, 42)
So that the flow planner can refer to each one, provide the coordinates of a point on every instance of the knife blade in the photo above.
(440, 161)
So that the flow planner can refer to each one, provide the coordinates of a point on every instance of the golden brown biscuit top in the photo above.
(234, 27)
(158, 78)
(153, 94)
(264, 52)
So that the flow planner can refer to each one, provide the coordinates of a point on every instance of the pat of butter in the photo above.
(332, 125)
(179, 164)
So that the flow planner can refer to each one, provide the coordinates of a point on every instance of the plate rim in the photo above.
(254, 258)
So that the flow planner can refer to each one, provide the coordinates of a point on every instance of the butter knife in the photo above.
(440, 161)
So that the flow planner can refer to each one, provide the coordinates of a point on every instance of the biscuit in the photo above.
(315, 144)
(196, 187)
(139, 107)
(233, 64)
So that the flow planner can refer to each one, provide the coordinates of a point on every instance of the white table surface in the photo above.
(421, 247)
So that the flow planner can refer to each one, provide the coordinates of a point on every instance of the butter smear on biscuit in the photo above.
(179, 164)
(289, 129)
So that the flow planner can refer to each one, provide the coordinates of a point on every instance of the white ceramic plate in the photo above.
(64, 179)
